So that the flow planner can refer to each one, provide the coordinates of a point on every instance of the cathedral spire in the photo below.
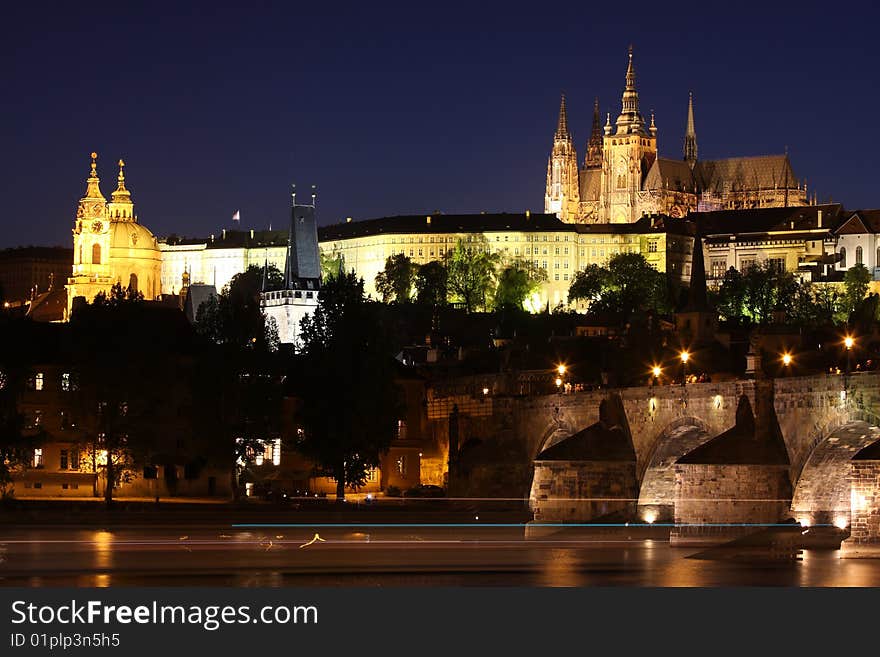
(593, 157)
(690, 135)
(630, 121)
(562, 126)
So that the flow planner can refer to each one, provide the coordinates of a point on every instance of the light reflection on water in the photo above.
(219, 558)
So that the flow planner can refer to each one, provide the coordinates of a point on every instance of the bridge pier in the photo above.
(864, 539)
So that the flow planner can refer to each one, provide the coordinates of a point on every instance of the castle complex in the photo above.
(623, 176)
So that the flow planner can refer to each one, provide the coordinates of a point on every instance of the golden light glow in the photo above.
(650, 517)
(656, 371)
(718, 401)
(841, 522)
(485, 391)
(848, 342)
(560, 369)
(685, 356)
(558, 382)
(786, 359)
(804, 522)
(652, 405)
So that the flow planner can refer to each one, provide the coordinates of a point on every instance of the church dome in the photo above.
(131, 235)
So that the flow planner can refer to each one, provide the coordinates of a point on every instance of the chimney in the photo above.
(819, 219)
(212, 237)
(252, 233)
(224, 233)
(528, 213)
(428, 220)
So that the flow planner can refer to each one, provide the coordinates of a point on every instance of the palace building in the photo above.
(623, 176)
(110, 246)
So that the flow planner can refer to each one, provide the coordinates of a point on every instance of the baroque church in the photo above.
(624, 178)
(110, 246)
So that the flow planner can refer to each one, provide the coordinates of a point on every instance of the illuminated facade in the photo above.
(623, 176)
(799, 240)
(110, 246)
(561, 249)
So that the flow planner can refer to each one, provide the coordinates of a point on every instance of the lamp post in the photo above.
(685, 357)
(787, 360)
(848, 342)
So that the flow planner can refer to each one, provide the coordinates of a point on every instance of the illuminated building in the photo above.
(110, 246)
(798, 240)
(623, 176)
(561, 249)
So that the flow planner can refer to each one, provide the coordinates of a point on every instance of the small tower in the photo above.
(121, 206)
(690, 135)
(562, 194)
(593, 159)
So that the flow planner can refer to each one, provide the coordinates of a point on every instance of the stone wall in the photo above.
(581, 491)
(712, 501)
(864, 537)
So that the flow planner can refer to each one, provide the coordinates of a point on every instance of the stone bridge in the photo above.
(780, 447)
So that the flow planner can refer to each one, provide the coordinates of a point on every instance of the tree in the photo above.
(627, 285)
(395, 282)
(856, 281)
(754, 296)
(331, 264)
(349, 400)
(131, 388)
(432, 284)
(234, 317)
(816, 305)
(16, 443)
(517, 282)
(471, 270)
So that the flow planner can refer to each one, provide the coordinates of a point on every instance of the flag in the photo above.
(236, 216)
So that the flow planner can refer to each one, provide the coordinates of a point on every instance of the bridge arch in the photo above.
(822, 494)
(657, 481)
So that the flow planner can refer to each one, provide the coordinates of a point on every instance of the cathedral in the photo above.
(624, 178)
(110, 246)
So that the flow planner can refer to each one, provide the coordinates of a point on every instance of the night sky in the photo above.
(409, 108)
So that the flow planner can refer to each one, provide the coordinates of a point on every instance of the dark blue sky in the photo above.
(414, 107)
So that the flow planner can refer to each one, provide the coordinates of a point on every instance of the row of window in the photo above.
(37, 381)
(859, 256)
(67, 459)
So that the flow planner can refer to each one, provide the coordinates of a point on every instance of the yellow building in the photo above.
(110, 246)
(560, 248)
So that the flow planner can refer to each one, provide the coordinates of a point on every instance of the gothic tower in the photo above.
(562, 195)
(593, 159)
(628, 153)
(690, 135)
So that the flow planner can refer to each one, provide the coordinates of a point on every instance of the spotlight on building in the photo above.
(650, 517)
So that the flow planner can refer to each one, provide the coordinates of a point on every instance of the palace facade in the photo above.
(623, 176)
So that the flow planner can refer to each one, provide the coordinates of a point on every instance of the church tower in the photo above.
(593, 158)
(91, 242)
(628, 154)
(690, 135)
(563, 195)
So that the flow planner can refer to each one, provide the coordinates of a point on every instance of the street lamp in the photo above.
(685, 357)
(656, 371)
(848, 342)
(786, 359)
(561, 369)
